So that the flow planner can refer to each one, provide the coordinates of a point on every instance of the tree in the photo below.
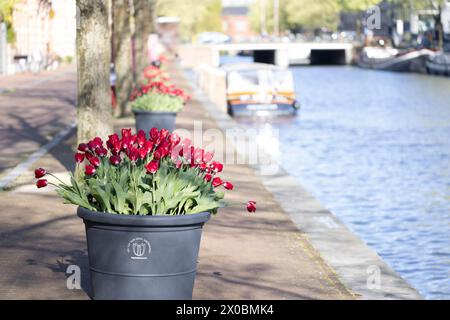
(94, 110)
(256, 14)
(6, 10)
(195, 16)
(144, 20)
(122, 53)
(312, 14)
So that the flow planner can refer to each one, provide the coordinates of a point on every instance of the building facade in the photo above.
(44, 30)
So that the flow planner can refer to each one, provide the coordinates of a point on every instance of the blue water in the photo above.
(374, 148)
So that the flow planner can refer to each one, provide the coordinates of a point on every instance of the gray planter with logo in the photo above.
(142, 257)
(146, 120)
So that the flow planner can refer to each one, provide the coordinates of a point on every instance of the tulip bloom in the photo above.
(89, 170)
(217, 166)
(94, 161)
(174, 139)
(228, 185)
(163, 134)
(41, 183)
(141, 138)
(101, 152)
(148, 146)
(133, 154)
(39, 173)
(208, 177)
(126, 133)
(154, 135)
(251, 206)
(142, 153)
(152, 166)
(115, 160)
(216, 182)
(83, 147)
(207, 157)
(79, 157)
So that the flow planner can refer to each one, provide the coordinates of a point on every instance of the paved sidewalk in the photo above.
(243, 256)
(32, 114)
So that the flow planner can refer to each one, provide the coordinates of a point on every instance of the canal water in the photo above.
(374, 148)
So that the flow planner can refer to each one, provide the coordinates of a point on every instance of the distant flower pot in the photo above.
(146, 120)
(142, 257)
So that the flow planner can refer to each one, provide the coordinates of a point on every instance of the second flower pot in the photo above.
(142, 257)
(145, 120)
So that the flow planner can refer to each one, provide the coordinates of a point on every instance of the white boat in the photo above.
(439, 64)
(259, 89)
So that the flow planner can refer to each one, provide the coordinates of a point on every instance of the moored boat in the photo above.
(439, 64)
(390, 59)
(259, 89)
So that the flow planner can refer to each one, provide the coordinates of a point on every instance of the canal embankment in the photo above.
(359, 267)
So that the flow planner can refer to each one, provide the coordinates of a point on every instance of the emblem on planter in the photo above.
(139, 249)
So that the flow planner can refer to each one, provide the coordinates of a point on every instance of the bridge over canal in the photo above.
(282, 54)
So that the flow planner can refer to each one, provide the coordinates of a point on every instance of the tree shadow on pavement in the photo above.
(25, 132)
(78, 258)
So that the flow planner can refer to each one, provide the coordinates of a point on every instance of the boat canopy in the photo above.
(254, 77)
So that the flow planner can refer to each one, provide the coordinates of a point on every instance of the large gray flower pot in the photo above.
(146, 120)
(142, 257)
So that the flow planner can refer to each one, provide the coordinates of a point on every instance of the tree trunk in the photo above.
(93, 58)
(122, 53)
(144, 18)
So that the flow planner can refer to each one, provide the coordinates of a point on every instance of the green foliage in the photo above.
(256, 9)
(6, 10)
(195, 16)
(128, 189)
(158, 102)
(312, 14)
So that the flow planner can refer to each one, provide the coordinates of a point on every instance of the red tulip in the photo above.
(115, 160)
(163, 134)
(152, 166)
(154, 135)
(228, 185)
(95, 143)
(216, 182)
(98, 142)
(208, 177)
(101, 152)
(126, 133)
(79, 157)
(251, 206)
(208, 157)
(89, 170)
(142, 153)
(126, 143)
(83, 147)
(198, 155)
(157, 155)
(41, 183)
(114, 144)
(94, 161)
(217, 166)
(174, 139)
(39, 173)
(133, 154)
(141, 138)
(148, 145)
